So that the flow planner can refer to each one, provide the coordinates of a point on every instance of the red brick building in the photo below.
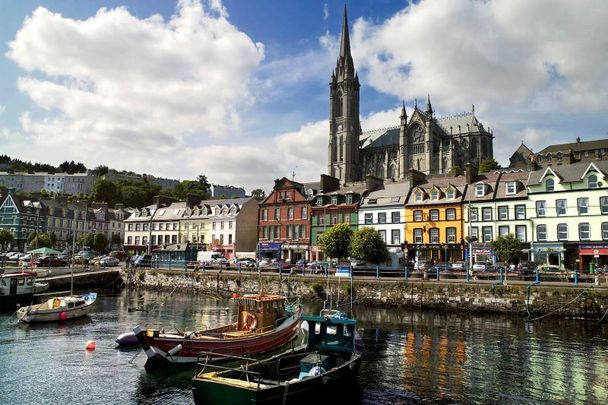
(284, 221)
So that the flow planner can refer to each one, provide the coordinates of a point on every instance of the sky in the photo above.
(238, 90)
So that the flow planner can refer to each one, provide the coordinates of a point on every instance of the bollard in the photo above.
(467, 274)
(576, 277)
(405, 272)
(377, 271)
(537, 279)
(438, 270)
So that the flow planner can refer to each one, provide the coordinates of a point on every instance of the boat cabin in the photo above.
(330, 334)
(259, 312)
(17, 283)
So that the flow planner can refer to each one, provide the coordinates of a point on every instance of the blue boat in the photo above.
(322, 370)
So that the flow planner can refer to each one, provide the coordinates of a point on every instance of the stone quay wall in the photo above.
(530, 301)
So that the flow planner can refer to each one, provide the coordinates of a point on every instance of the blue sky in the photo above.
(238, 89)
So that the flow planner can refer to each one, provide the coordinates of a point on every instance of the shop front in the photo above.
(269, 250)
(592, 257)
(294, 252)
(549, 253)
(482, 252)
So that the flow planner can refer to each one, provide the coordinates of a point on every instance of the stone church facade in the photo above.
(422, 141)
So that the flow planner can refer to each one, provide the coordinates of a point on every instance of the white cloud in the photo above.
(325, 11)
(133, 92)
(542, 55)
(2, 109)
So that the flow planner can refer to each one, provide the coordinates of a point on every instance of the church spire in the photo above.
(346, 59)
(429, 108)
(403, 115)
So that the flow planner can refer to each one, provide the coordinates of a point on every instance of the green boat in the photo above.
(323, 369)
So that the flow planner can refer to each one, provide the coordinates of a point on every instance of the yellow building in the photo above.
(433, 219)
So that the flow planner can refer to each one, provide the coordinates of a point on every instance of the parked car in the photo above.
(108, 261)
(526, 266)
(302, 262)
(358, 263)
(121, 255)
(458, 266)
(221, 261)
(142, 261)
(246, 262)
(444, 266)
(481, 266)
(420, 265)
(49, 261)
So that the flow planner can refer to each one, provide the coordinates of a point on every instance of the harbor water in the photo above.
(411, 356)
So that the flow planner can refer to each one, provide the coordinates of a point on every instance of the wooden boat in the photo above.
(58, 309)
(16, 289)
(324, 370)
(263, 325)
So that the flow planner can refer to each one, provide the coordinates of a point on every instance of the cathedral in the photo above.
(424, 142)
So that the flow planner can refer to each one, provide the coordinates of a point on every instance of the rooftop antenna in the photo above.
(293, 173)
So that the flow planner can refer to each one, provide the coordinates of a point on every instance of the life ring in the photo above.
(250, 321)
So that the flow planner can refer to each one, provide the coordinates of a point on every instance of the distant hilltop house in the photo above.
(423, 142)
(559, 154)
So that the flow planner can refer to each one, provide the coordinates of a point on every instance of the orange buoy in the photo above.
(90, 345)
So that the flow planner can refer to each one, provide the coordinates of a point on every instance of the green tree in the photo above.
(105, 191)
(53, 238)
(135, 195)
(367, 245)
(6, 237)
(258, 194)
(507, 248)
(100, 170)
(455, 171)
(488, 164)
(336, 241)
(95, 240)
(31, 237)
(41, 240)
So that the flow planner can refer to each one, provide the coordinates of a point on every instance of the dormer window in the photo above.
(349, 198)
(559, 156)
(480, 190)
(334, 199)
(451, 194)
(592, 181)
(511, 188)
(372, 201)
(319, 201)
(550, 185)
(434, 195)
(549, 157)
(418, 195)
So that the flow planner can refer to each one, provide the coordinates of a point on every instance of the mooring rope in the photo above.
(558, 309)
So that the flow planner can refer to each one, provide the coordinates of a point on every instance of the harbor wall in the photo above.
(530, 301)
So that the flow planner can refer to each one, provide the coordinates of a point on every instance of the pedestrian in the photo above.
(86, 263)
(128, 261)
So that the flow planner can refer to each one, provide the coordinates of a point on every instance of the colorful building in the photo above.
(21, 217)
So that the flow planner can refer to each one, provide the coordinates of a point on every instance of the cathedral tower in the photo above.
(344, 125)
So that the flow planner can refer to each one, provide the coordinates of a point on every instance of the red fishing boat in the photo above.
(263, 325)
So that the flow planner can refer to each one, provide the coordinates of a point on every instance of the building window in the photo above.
(541, 233)
(383, 235)
(321, 219)
(264, 232)
(583, 231)
(450, 214)
(434, 235)
(290, 213)
(417, 235)
(503, 230)
(560, 207)
(511, 187)
(418, 195)
(451, 235)
(450, 194)
(346, 218)
(222, 225)
(487, 233)
(605, 230)
(395, 217)
(592, 181)
(129, 240)
(434, 214)
(549, 185)
(304, 212)
(137, 240)
(137, 226)
(382, 217)
(319, 201)
(334, 199)
(417, 216)
(582, 204)
(520, 233)
(277, 214)
(604, 205)
(480, 189)
(541, 208)
(349, 198)
(153, 239)
(562, 231)
(333, 218)
(129, 227)
(520, 212)
(503, 213)
(474, 232)
(395, 237)
(369, 218)
(473, 215)
(434, 195)
(486, 213)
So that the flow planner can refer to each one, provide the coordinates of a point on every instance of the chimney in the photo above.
(329, 184)
(578, 139)
(415, 177)
(470, 172)
(372, 183)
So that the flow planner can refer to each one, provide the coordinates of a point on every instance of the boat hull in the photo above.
(336, 384)
(34, 313)
(166, 350)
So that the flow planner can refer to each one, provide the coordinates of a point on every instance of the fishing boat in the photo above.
(16, 289)
(323, 370)
(58, 309)
(263, 324)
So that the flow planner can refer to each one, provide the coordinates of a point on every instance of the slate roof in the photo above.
(380, 137)
(390, 194)
(462, 120)
(569, 173)
(442, 182)
(490, 180)
(577, 146)
(521, 190)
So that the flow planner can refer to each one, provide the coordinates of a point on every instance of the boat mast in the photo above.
(73, 247)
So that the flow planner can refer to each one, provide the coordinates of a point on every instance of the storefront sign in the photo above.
(269, 246)
(597, 251)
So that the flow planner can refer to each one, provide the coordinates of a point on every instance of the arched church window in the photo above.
(338, 112)
(465, 145)
(474, 147)
(340, 141)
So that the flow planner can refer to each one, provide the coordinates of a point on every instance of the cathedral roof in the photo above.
(380, 137)
(460, 119)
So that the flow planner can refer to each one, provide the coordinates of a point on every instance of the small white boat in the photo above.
(58, 309)
(40, 287)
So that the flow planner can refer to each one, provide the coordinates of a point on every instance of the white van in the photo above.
(208, 257)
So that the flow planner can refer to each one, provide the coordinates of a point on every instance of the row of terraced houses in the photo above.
(559, 213)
